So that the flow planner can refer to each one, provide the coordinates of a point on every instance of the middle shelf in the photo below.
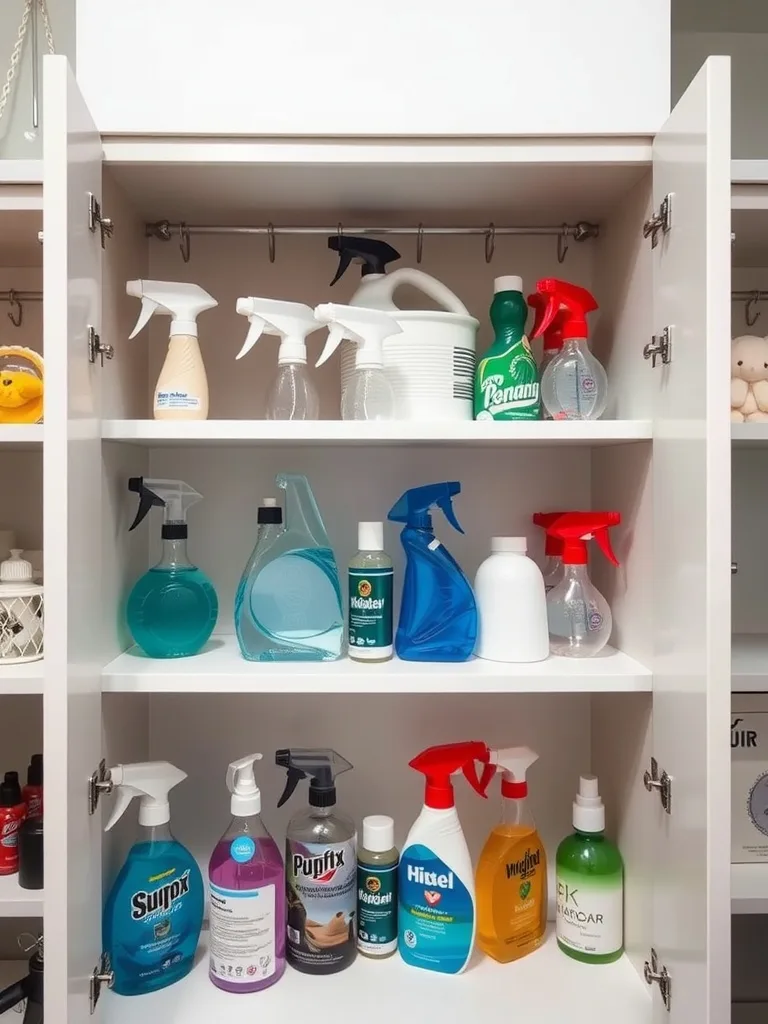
(18, 902)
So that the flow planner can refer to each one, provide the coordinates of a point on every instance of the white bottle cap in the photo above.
(378, 833)
(588, 809)
(370, 537)
(268, 502)
(508, 283)
(516, 545)
(246, 796)
(16, 569)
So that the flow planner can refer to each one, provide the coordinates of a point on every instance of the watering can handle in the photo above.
(425, 283)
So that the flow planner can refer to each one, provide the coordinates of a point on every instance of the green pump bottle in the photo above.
(507, 378)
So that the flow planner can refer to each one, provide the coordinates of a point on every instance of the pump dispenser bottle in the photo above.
(247, 889)
(173, 608)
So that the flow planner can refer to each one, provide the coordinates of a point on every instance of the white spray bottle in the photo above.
(368, 395)
(292, 395)
(181, 392)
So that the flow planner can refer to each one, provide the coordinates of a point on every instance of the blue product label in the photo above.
(242, 849)
(436, 913)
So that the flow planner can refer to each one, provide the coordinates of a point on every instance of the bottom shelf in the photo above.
(544, 986)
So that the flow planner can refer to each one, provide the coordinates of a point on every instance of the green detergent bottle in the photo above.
(507, 378)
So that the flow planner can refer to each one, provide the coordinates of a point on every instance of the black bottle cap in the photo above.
(35, 771)
(270, 515)
(321, 797)
(10, 790)
(174, 531)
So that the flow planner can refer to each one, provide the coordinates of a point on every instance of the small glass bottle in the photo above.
(377, 862)
(370, 597)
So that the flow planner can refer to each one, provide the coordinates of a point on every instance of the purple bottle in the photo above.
(247, 887)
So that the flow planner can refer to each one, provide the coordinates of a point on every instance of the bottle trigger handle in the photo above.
(336, 334)
(478, 784)
(254, 333)
(603, 538)
(148, 307)
(447, 508)
(295, 775)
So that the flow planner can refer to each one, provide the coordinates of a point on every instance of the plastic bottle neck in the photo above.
(574, 344)
(175, 555)
(515, 811)
(183, 329)
(155, 833)
(578, 573)
(292, 350)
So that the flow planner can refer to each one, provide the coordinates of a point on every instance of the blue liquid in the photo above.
(172, 611)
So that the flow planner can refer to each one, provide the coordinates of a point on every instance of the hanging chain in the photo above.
(5, 93)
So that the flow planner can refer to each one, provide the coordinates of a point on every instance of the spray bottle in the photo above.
(374, 254)
(436, 886)
(553, 550)
(512, 870)
(292, 395)
(580, 620)
(320, 866)
(154, 912)
(574, 385)
(173, 608)
(181, 392)
(438, 613)
(246, 881)
(368, 395)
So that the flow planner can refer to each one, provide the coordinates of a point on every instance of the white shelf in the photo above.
(544, 986)
(749, 888)
(749, 663)
(21, 172)
(159, 433)
(20, 679)
(221, 669)
(18, 902)
(21, 435)
(749, 172)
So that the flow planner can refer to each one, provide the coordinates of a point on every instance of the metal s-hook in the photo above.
(15, 304)
(490, 242)
(271, 241)
(562, 244)
(420, 242)
(185, 243)
(748, 306)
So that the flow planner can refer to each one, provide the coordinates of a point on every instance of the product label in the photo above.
(590, 912)
(519, 892)
(176, 400)
(10, 823)
(508, 385)
(574, 618)
(370, 608)
(322, 899)
(749, 782)
(377, 909)
(242, 942)
(436, 914)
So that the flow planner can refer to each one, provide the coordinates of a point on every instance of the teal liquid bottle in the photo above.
(288, 602)
(507, 378)
(172, 609)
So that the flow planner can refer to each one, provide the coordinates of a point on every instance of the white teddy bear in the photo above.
(749, 378)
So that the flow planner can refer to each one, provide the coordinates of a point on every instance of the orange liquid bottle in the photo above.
(511, 880)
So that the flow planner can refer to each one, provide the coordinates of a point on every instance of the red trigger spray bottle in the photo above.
(436, 885)
(553, 335)
(580, 620)
(552, 570)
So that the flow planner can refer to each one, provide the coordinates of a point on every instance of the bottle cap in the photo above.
(514, 545)
(378, 833)
(508, 283)
(370, 537)
(16, 569)
(35, 771)
(270, 513)
(241, 782)
(588, 808)
(10, 790)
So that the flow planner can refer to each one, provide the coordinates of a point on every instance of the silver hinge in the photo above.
(654, 971)
(100, 782)
(96, 221)
(653, 780)
(734, 568)
(102, 975)
(96, 348)
(659, 348)
(659, 222)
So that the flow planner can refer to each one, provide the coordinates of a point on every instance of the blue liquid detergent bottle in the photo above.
(288, 603)
(154, 912)
(438, 614)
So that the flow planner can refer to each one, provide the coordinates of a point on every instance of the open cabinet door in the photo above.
(692, 537)
(71, 492)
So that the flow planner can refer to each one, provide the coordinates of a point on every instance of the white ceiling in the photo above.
(720, 15)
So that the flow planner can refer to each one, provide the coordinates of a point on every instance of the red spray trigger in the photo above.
(439, 763)
(577, 301)
(576, 528)
(480, 785)
(553, 335)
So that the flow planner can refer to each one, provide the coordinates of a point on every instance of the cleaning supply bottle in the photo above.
(373, 254)
(173, 608)
(181, 392)
(377, 862)
(436, 885)
(370, 578)
(288, 602)
(13, 812)
(590, 884)
(368, 394)
(438, 614)
(246, 881)
(574, 385)
(580, 620)
(320, 865)
(553, 550)
(511, 605)
(507, 378)
(552, 336)
(154, 911)
(292, 395)
(512, 870)
(32, 794)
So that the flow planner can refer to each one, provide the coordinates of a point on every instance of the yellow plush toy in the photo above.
(21, 385)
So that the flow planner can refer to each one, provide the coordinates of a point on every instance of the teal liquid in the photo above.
(172, 611)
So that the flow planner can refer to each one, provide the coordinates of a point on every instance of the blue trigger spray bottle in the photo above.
(438, 614)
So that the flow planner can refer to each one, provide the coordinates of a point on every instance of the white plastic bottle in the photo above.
(511, 605)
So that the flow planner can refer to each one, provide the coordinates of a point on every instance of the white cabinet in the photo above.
(400, 68)
(661, 457)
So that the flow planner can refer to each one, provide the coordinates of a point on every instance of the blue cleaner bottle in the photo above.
(173, 608)
(154, 912)
(288, 603)
(438, 614)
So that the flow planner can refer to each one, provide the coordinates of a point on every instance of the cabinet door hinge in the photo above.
(100, 782)
(97, 348)
(102, 975)
(96, 221)
(660, 347)
(654, 971)
(659, 222)
(662, 782)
